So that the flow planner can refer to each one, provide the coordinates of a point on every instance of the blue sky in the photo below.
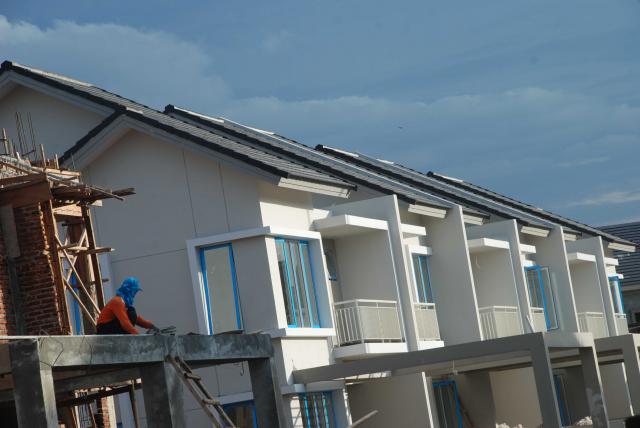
(535, 99)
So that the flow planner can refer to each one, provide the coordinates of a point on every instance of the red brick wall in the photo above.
(40, 308)
(7, 320)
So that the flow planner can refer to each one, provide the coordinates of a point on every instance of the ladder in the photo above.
(212, 407)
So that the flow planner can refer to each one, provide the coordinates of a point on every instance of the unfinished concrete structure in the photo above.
(340, 258)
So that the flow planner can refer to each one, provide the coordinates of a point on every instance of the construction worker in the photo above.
(119, 315)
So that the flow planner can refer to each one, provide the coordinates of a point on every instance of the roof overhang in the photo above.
(621, 247)
(428, 211)
(534, 231)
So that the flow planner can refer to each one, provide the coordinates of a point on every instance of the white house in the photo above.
(341, 258)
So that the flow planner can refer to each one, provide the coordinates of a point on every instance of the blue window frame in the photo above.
(317, 410)
(422, 278)
(541, 294)
(561, 397)
(220, 288)
(298, 287)
(448, 404)
(616, 294)
(243, 414)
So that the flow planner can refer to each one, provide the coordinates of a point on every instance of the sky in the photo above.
(539, 100)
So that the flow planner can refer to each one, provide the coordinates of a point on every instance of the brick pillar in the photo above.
(41, 309)
(7, 318)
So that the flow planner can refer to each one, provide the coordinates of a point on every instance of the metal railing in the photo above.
(499, 321)
(427, 321)
(621, 323)
(594, 323)
(538, 319)
(363, 321)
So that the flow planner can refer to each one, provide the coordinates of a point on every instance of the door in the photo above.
(541, 294)
(448, 404)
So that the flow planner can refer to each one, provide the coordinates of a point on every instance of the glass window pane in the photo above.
(447, 404)
(317, 410)
(296, 276)
(535, 294)
(549, 297)
(330, 258)
(219, 283)
(285, 281)
(242, 414)
(616, 296)
(421, 273)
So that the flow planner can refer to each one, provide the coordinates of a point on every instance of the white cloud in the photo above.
(609, 198)
(517, 139)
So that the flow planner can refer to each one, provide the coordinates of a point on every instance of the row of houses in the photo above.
(425, 298)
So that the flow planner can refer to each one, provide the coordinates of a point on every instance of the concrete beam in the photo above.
(92, 351)
(163, 396)
(609, 348)
(33, 386)
(499, 349)
(545, 387)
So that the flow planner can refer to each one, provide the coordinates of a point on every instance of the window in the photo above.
(242, 414)
(447, 404)
(220, 288)
(298, 288)
(561, 397)
(423, 281)
(541, 294)
(317, 410)
(330, 258)
(616, 294)
(77, 326)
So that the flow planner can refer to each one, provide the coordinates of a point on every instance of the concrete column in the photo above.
(545, 386)
(163, 396)
(267, 397)
(593, 388)
(632, 370)
(32, 386)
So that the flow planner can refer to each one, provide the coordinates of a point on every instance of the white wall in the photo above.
(493, 278)
(366, 266)
(516, 398)
(551, 252)
(616, 393)
(284, 207)
(57, 124)
(401, 401)
(508, 231)
(452, 279)
(586, 287)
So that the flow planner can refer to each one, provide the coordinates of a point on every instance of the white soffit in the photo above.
(345, 225)
(570, 236)
(409, 230)
(307, 186)
(611, 261)
(481, 245)
(473, 219)
(428, 211)
(577, 257)
(622, 247)
(527, 249)
(420, 249)
(534, 231)
(528, 263)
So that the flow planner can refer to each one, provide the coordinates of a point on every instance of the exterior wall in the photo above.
(399, 400)
(7, 315)
(551, 252)
(366, 267)
(476, 396)
(616, 393)
(493, 278)
(452, 279)
(284, 207)
(57, 124)
(508, 231)
(584, 278)
(516, 398)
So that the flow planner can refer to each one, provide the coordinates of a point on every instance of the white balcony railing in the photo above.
(427, 321)
(363, 321)
(538, 319)
(621, 323)
(594, 323)
(499, 321)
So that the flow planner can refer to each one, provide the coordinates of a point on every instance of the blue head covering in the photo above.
(130, 286)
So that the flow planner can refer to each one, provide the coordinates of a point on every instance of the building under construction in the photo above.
(54, 370)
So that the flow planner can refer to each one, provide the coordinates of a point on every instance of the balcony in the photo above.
(621, 324)
(427, 321)
(367, 327)
(594, 323)
(538, 319)
(499, 321)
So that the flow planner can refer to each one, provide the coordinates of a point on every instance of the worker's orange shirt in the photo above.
(117, 309)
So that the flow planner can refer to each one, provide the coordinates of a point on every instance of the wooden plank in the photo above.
(28, 194)
(21, 179)
(68, 210)
(95, 262)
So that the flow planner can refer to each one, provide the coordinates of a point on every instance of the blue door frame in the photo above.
(558, 382)
(303, 248)
(444, 384)
(422, 282)
(616, 289)
(205, 284)
(545, 302)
